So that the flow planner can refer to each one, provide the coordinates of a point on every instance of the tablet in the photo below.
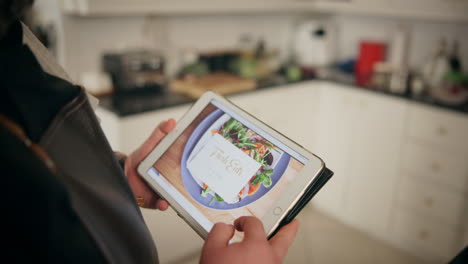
(221, 163)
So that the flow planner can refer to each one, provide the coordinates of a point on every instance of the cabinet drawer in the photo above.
(437, 202)
(437, 165)
(424, 238)
(444, 128)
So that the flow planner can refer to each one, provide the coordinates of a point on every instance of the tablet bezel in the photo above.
(291, 194)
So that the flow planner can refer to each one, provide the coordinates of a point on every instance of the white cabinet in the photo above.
(426, 9)
(400, 170)
(437, 9)
(431, 208)
(173, 7)
(332, 144)
(357, 138)
(291, 109)
(125, 134)
(433, 200)
(424, 237)
(374, 160)
(431, 9)
(442, 129)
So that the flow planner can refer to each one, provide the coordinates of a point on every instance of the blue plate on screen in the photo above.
(195, 189)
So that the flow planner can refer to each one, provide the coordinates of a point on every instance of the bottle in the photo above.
(399, 61)
(454, 59)
(246, 65)
(292, 70)
(437, 66)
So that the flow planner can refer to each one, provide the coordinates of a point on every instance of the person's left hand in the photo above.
(145, 196)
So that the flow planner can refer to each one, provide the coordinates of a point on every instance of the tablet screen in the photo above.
(222, 167)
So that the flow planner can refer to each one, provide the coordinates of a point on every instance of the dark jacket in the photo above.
(86, 212)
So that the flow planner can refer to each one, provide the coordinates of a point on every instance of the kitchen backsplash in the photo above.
(172, 35)
(87, 38)
(424, 35)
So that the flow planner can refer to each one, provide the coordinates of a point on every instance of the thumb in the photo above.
(284, 238)
(158, 133)
(218, 237)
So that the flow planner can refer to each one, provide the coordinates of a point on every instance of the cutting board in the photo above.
(221, 83)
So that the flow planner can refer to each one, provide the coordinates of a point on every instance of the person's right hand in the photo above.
(142, 191)
(254, 248)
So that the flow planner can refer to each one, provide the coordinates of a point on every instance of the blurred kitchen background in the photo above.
(377, 88)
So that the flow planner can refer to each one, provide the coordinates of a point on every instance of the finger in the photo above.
(251, 226)
(158, 133)
(284, 238)
(168, 126)
(162, 204)
(219, 236)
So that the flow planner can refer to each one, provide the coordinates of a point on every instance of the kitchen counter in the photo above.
(139, 102)
(136, 103)
(348, 81)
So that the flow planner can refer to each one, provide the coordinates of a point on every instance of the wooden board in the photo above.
(221, 83)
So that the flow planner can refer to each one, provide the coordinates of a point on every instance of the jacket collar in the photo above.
(30, 96)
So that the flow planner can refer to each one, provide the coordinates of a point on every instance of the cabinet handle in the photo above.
(442, 131)
(423, 234)
(435, 166)
(428, 202)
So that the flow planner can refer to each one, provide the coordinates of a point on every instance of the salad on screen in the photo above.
(254, 146)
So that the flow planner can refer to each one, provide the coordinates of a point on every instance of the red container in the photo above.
(369, 54)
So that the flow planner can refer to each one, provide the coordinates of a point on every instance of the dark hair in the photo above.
(11, 10)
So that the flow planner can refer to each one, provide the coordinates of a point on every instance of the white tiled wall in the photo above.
(207, 33)
(424, 35)
(89, 37)
(86, 38)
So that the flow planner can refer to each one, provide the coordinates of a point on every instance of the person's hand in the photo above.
(145, 196)
(255, 248)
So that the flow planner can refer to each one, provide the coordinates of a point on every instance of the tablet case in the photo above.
(310, 192)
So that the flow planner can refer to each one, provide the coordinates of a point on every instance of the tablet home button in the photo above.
(277, 211)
